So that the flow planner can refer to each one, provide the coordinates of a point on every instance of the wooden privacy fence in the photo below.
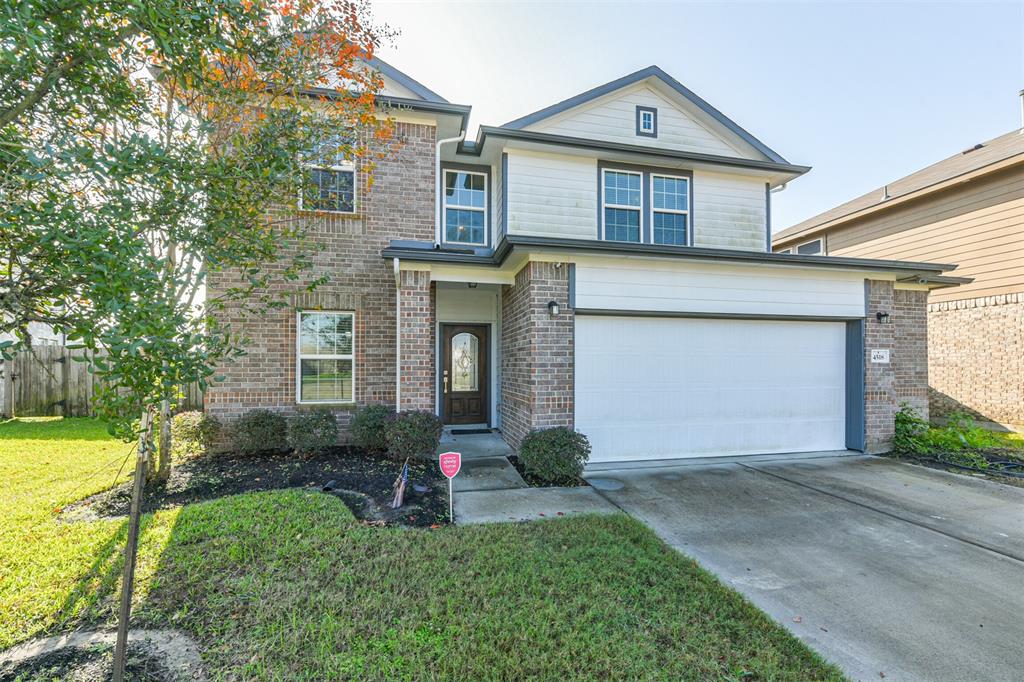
(47, 381)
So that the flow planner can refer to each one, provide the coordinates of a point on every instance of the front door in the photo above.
(464, 373)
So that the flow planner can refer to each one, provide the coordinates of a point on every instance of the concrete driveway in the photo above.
(880, 566)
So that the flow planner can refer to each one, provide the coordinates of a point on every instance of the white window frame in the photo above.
(650, 116)
(639, 209)
(348, 166)
(300, 356)
(821, 247)
(689, 201)
(785, 251)
(445, 206)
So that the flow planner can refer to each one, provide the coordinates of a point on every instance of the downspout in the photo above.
(398, 336)
(437, 183)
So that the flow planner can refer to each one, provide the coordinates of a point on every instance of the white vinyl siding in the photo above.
(552, 195)
(668, 286)
(664, 388)
(729, 211)
(613, 119)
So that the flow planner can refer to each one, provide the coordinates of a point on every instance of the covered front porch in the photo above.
(484, 349)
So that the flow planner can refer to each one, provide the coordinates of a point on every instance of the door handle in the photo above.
(446, 384)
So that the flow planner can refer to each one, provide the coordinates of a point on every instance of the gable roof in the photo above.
(978, 160)
(406, 81)
(635, 77)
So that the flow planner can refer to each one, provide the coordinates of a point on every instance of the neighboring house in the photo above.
(602, 264)
(967, 209)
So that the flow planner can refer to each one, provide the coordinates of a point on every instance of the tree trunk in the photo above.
(163, 471)
(132, 546)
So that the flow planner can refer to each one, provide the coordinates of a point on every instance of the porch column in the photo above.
(879, 377)
(538, 356)
(416, 347)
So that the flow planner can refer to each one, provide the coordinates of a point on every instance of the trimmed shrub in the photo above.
(368, 427)
(313, 433)
(555, 456)
(259, 431)
(413, 434)
(193, 434)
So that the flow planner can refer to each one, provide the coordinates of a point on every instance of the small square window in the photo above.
(646, 121)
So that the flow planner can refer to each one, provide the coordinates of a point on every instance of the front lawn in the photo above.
(288, 584)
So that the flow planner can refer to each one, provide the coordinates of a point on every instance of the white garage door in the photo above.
(660, 388)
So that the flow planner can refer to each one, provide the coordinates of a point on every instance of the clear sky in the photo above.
(863, 92)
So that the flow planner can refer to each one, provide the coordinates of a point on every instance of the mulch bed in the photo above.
(76, 664)
(534, 482)
(364, 481)
(1005, 465)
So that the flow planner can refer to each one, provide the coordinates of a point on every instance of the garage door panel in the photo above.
(654, 388)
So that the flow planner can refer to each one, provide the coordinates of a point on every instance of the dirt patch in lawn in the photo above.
(535, 482)
(84, 656)
(362, 480)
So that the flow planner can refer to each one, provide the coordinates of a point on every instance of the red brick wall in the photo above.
(905, 378)
(537, 352)
(976, 357)
(399, 206)
(910, 359)
(418, 346)
(879, 379)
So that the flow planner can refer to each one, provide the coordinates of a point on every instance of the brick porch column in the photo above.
(537, 352)
(417, 347)
(879, 378)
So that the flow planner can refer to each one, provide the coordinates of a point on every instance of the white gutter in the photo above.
(437, 183)
(779, 188)
(398, 336)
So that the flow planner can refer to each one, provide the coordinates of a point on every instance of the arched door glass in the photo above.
(465, 362)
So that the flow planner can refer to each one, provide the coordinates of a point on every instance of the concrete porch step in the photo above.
(528, 504)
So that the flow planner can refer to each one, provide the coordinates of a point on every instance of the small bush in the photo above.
(368, 427)
(555, 456)
(259, 431)
(413, 434)
(193, 434)
(313, 433)
(911, 437)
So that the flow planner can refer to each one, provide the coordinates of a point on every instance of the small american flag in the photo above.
(400, 483)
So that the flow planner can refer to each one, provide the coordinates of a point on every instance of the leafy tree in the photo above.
(141, 142)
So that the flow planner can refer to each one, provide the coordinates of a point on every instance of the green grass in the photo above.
(289, 585)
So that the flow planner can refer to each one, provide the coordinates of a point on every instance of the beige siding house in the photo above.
(967, 209)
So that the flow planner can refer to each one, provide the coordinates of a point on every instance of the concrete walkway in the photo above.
(882, 567)
(489, 489)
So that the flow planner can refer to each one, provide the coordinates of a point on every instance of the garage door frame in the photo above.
(854, 353)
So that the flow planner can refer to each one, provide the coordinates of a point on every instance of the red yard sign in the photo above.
(451, 462)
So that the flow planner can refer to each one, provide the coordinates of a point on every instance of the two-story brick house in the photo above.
(602, 264)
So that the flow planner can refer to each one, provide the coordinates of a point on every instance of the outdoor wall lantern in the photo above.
(883, 318)
(553, 308)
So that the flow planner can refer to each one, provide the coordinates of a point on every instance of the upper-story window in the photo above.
(333, 175)
(670, 209)
(646, 121)
(465, 207)
(621, 205)
(813, 248)
(642, 205)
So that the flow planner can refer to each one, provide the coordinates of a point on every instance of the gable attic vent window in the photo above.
(646, 121)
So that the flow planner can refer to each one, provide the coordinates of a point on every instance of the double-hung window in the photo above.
(326, 362)
(670, 209)
(621, 205)
(333, 177)
(465, 207)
